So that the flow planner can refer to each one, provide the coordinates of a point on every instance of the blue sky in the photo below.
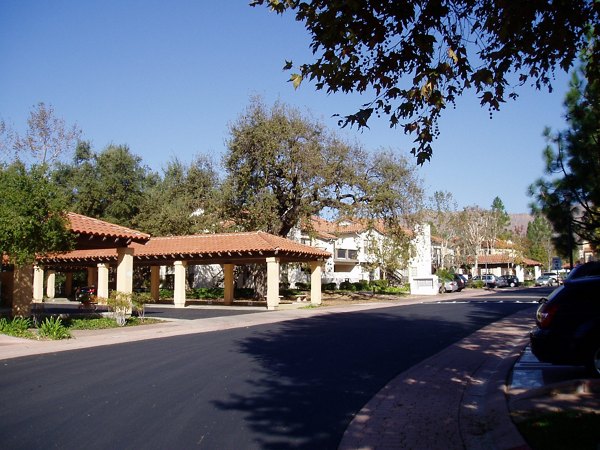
(166, 78)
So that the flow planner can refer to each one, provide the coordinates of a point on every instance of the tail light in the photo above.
(545, 314)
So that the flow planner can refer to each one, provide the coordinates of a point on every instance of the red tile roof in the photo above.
(220, 247)
(89, 226)
(504, 259)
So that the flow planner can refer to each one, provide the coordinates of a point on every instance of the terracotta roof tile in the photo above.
(87, 225)
(205, 244)
(503, 259)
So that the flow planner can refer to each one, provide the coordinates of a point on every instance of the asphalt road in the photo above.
(294, 384)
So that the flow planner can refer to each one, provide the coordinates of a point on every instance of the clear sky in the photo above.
(166, 78)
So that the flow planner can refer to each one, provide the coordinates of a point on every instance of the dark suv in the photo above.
(568, 325)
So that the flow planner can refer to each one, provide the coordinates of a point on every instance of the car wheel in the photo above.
(442, 289)
(594, 363)
(551, 283)
(512, 284)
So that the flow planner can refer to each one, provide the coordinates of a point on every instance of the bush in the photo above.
(445, 275)
(478, 284)
(329, 287)
(243, 293)
(361, 285)
(139, 300)
(53, 328)
(18, 327)
(120, 303)
(303, 286)
(347, 286)
(166, 293)
(205, 293)
(382, 284)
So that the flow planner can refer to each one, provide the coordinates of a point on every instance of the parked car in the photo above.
(489, 280)
(588, 269)
(507, 281)
(546, 280)
(447, 286)
(568, 325)
(557, 279)
(84, 293)
(461, 281)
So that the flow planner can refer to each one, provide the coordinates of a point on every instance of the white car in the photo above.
(447, 286)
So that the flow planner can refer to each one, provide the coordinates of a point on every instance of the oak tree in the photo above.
(413, 58)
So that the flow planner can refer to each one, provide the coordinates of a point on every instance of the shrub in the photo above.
(329, 287)
(382, 284)
(478, 284)
(166, 293)
(361, 285)
(303, 286)
(445, 275)
(53, 328)
(205, 293)
(120, 304)
(347, 286)
(139, 300)
(18, 327)
(243, 293)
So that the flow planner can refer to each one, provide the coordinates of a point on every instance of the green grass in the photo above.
(562, 431)
(55, 328)
(100, 323)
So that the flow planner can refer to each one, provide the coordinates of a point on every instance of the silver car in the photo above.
(546, 280)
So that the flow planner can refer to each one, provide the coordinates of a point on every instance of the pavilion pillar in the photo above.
(155, 282)
(38, 284)
(92, 276)
(102, 292)
(68, 284)
(22, 291)
(272, 283)
(51, 284)
(179, 291)
(315, 282)
(228, 284)
(125, 270)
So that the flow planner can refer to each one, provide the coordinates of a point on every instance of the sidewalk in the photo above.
(456, 399)
(453, 400)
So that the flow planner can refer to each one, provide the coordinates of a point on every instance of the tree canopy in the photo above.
(415, 57)
(32, 220)
(569, 193)
(282, 167)
(45, 141)
(110, 185)
(183, 201)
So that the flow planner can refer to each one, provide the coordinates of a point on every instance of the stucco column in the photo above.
(102, 283)
(228, 283)
(272, 283)
(38, 284)
(125, 270)
(68, 284)
(179, 291)
(155, 282)
(92, 276)
(22, 291)
(51, 284)
(315, 282)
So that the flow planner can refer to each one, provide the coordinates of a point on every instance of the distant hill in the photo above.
(518, 222)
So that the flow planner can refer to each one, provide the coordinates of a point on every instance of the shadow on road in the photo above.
(316, 374)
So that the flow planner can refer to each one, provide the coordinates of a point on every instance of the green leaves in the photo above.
(390, 47)
(32, 220)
